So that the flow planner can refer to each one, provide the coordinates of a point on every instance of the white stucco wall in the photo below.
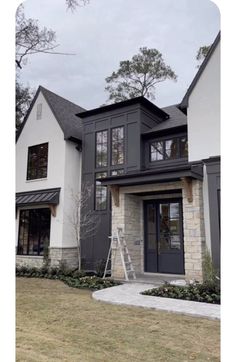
(204, 112)
(72, 185)
(64, 163)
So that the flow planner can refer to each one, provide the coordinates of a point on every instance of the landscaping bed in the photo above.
(198, 292)
(74, 279)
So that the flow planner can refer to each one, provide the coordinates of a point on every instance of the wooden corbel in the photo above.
(53, 209)
(115, 194)
(187, 183)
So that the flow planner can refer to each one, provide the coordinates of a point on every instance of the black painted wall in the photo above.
(135, 119)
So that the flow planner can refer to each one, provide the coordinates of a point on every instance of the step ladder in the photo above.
(118, 241)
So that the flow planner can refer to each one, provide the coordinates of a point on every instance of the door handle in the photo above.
(158, 248)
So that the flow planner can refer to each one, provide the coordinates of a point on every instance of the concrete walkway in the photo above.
(129, 294)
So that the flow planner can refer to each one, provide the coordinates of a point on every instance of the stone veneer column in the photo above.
(128, 217)
(194, 232)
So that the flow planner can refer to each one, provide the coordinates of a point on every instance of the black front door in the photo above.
(163, 226)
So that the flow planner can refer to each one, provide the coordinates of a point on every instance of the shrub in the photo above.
(75, 279)
(208, 292)
(209, 271)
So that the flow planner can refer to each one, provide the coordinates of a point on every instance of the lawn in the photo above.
(59, 323)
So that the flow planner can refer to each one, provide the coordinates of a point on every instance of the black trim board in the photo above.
(138, 100)
(169, 174)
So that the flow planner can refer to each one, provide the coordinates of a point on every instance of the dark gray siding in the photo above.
(135, 118)
(95, 247)
(213, 177)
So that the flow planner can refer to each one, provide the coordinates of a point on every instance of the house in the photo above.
(154, 172)
(48, 170)
(156, 175)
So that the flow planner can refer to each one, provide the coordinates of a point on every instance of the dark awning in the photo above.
(38, 197)
(174, 173)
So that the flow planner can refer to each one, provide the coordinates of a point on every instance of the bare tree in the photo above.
(31, 39)
(84, 222)
(73, 4)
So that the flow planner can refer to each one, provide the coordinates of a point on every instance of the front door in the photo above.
(163, 226)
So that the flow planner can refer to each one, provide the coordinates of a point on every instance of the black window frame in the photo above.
(163, 141)
(101, 187)
(112, 146)
(97, 165)
(38, 168)
(27, 231)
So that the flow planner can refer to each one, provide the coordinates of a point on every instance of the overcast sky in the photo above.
(104, 32)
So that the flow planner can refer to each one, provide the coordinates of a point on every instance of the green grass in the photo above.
(59, 323)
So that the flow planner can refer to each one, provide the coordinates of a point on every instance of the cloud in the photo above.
(105, 32)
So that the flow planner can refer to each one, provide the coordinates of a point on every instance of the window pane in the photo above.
(157, 151)
(101, 192)
(118, 146)
(34, 231)
(183, 147)
(37, 161)
(101, 149)
(117, 172)
(171, 149)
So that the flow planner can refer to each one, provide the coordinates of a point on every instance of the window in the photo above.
(101, 192)
(117, 172)
(37, 161)
(183, 147)
(157, 151)
(39, 111)
(101, 149)
(117, 146)
(169, 149)
(34, 231)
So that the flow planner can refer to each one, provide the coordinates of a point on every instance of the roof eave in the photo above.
(184, 102)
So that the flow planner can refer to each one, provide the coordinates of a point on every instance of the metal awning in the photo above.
(38, 197)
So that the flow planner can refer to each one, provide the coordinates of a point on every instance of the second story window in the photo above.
(37, 161)
(183, 147)
(169, 149)
(101, 149)
(117, 148)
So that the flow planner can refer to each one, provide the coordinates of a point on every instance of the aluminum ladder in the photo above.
(118, 240)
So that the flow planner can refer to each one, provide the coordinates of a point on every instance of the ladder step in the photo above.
(118, 242)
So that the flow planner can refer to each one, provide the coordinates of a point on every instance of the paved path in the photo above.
(129, 294)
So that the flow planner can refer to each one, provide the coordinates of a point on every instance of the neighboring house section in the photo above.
(48, 169)
(137, 155)
(202, 103)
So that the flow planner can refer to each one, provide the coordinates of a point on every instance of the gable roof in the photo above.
(63, 110)
(176, 119)
(184, 102)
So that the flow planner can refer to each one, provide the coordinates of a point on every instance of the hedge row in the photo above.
(75, 279)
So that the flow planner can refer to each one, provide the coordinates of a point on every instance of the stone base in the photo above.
(66, 256)
(30, 261)
(57, 256)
